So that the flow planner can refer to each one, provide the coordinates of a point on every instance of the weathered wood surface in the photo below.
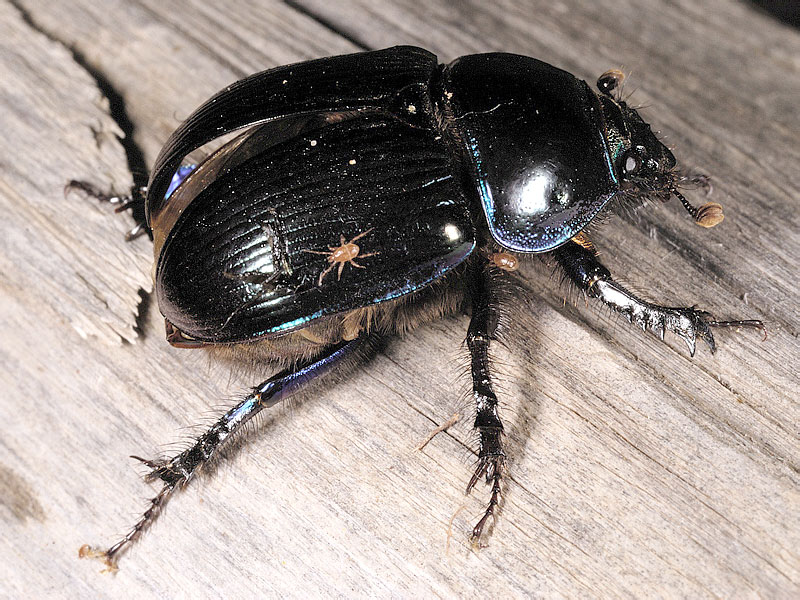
(635, 470)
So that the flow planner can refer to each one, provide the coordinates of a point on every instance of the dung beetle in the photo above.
(374, 191)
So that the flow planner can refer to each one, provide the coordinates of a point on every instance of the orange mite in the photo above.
(345, 253)
(504, 261)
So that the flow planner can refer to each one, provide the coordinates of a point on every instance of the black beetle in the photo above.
(376, 190)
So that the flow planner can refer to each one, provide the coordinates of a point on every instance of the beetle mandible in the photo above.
(442, 173)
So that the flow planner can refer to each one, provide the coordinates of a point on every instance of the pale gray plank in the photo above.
(636, 471)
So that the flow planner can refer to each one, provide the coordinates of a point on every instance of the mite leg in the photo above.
(482, 328)
(179, 470)
(325, 272)
(582, 267)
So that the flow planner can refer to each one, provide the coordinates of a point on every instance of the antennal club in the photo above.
(610, 82)
(708, 215)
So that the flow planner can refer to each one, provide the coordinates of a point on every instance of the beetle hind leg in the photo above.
(491, 465)
(689, 323)
(176, 472)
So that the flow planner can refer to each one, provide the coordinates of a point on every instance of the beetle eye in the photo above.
(631, 164)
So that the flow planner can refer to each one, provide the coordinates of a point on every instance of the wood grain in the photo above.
(635, 470)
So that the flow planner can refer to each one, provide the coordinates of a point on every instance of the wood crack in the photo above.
(116, 102)
(327, 24)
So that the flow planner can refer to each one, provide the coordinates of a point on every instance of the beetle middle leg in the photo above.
(482, 329)
(135, 202)
(581, 266)
(176, 472)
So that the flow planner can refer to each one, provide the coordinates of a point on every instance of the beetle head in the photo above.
(642, 163)
(644, 166)
(642, 160)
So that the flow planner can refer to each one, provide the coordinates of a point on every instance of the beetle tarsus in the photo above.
(135, 202)
(749, 323)
(111, 555)
(490, 467)
(87, 551)
(132, 201)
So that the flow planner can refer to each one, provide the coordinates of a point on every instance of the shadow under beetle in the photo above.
(377, 190)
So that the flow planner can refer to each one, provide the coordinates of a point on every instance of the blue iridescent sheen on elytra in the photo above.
(177, 179)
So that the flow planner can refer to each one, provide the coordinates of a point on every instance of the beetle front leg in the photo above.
(582, 267)
(176, 472)
(482, 328)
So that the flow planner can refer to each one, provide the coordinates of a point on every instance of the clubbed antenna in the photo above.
(708, 215)
(610, 83)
